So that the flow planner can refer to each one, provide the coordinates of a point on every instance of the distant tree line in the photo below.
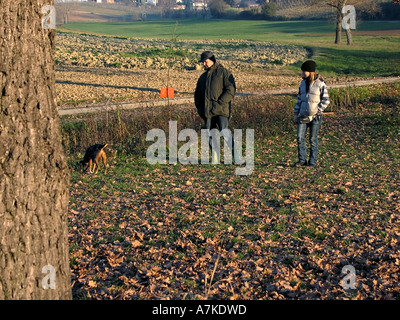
(388, 11)
(237, 9)
(261, 9)
(269, 9)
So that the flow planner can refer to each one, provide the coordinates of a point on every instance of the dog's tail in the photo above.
(103, 147)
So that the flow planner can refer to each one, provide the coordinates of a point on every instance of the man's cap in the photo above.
(206, 55)
(309, 66)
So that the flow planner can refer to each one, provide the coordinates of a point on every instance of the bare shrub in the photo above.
(126, 130)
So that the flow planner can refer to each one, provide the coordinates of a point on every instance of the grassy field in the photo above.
(194, 29)
(179, 231)
(374, 53)
(189, 232)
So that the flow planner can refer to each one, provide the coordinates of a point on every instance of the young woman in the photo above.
(312, 100)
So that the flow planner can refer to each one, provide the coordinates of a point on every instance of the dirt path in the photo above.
(185, 100)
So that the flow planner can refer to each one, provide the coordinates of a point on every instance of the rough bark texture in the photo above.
(33, 170)
(339, 17)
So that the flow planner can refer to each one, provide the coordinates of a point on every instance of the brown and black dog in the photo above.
(92, 157)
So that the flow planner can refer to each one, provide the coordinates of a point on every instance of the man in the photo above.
(214, 94)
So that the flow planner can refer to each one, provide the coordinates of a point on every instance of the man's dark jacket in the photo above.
(214, 92)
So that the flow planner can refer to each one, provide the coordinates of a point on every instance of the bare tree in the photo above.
(188, 7)
(338, 6)
(34, 261)
(166, 6)
(366, 6)
(64, 8)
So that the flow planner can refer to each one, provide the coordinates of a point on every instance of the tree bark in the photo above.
(338, 37)
(349, 37)
(33, 171)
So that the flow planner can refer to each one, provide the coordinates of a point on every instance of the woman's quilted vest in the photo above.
(310, 99)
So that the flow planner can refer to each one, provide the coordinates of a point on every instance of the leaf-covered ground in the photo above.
(201, 232)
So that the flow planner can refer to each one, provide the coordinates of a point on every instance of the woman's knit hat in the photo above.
(309, 66)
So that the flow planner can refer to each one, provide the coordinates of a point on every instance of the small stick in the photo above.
(212, 276)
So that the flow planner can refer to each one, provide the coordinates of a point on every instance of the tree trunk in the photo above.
(338, 5)
(34, 260)
(349, 36)
(338, 38)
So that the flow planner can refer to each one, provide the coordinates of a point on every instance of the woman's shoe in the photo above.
(300, 164)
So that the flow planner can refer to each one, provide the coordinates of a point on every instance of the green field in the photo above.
(375, 51)
(194, 29)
